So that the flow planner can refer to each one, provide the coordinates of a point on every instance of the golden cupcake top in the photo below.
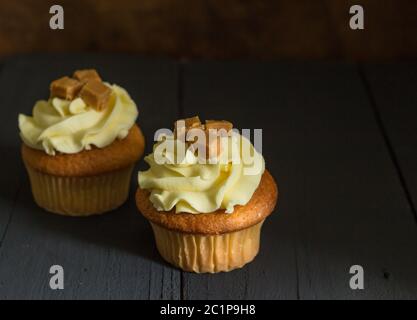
(202, 168)
(82, 112)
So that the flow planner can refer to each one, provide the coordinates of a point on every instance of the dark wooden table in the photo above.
(341, 140)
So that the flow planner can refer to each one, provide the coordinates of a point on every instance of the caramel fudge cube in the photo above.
(189, 123)
(86, 75)
(96, 94)
(218, 124)
(65, 88)
(192, 122)
(211, 146)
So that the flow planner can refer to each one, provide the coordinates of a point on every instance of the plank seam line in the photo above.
(3, 237)
(182, 286)
(180, 106)
(150, 280)
(387, 140)
(246, 292)
(297, 276)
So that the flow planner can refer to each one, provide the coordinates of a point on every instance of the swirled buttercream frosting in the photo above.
(59, 125)
(195, 187)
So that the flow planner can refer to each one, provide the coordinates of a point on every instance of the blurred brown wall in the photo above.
(221, 29)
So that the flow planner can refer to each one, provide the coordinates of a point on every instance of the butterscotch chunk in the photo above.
(184, 125)
(96, 94)
(189, 123)
(192, 122)
(210, 143)
(65, 88)
(213, 146)
(218, 124)
(86, 75)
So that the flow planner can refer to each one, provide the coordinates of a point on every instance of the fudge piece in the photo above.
(96, 94)
(65, 88)
(86, 75)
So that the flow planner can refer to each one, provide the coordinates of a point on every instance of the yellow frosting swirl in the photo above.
(199, 188)
(73, 126)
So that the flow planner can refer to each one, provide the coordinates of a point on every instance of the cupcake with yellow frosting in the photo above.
(206, 201)
(79, 146)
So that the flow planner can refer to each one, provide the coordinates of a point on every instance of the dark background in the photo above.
(263, 29)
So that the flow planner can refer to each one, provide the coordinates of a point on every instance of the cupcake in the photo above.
(79, 146)
(206, 196)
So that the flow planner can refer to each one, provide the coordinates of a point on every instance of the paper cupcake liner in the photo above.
(208, 253)
(80, 196)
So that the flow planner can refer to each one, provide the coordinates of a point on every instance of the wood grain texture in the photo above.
(393, 88)
(263, 29)
(341, 199)
(110, 256)
(10, 182)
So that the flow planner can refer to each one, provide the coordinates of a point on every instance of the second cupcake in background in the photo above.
(206, 196)
(79, 146)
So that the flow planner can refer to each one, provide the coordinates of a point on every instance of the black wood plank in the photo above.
(9, 183)
(110, 256)
(393, 89)
(341, 201)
